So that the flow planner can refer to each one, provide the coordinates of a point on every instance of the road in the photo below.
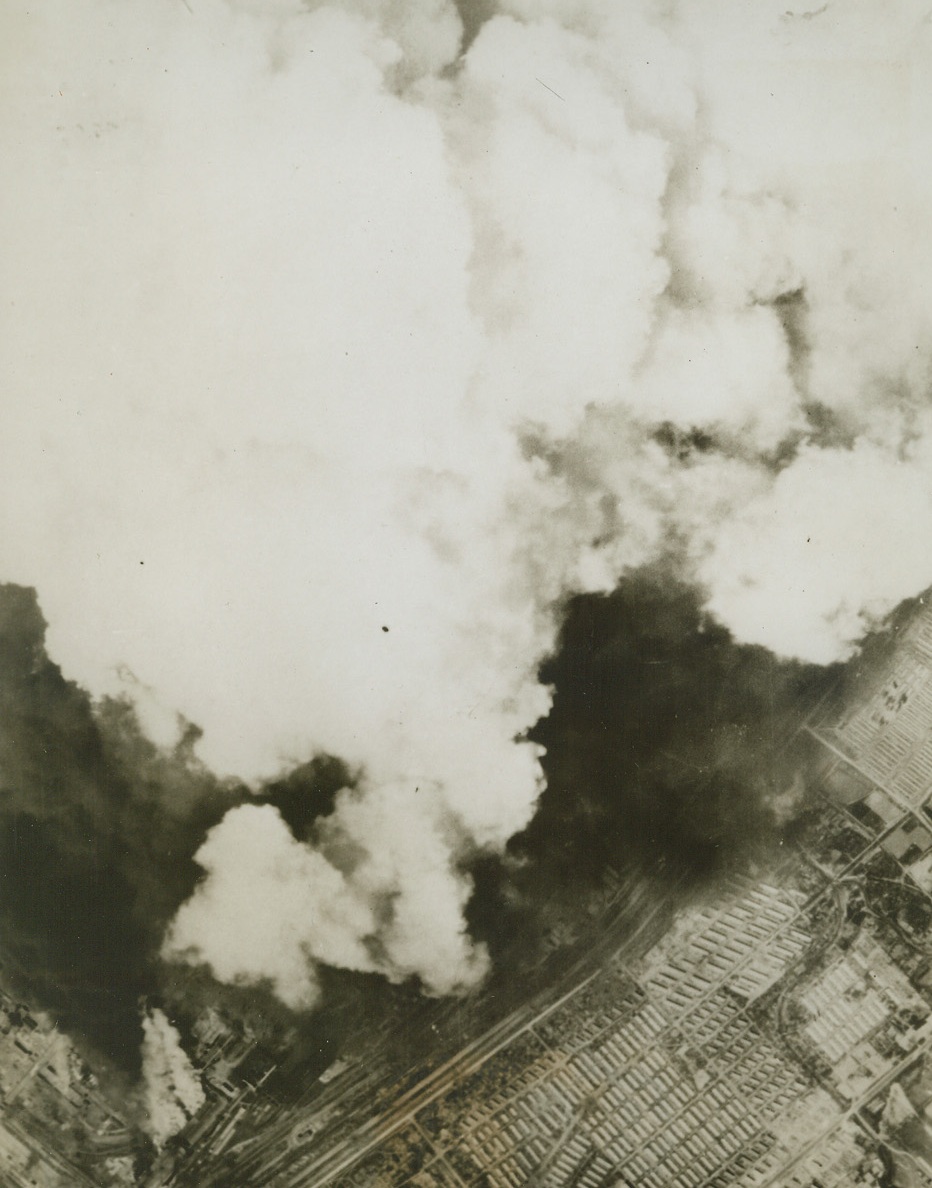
(282, 1157)
(884, 1081)
(635, 927)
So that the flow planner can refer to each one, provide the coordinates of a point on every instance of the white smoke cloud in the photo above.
(271, 908)
(171, 1090)
(333, 362)
(305, 911)
(790, 550)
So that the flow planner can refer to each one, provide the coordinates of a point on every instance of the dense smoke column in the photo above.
(474, 14)
(667, 742)
(97, 829)
(69, 936)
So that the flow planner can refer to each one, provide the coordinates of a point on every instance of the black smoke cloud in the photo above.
(97, 833)
(673, 755)
(668, 741)
(473, 14)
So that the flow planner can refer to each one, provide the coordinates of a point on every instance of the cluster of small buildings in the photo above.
(56, 1130)
(888, 733)
(674, 1085)
(864, 1016)
(232, 1066)
(742, 1051)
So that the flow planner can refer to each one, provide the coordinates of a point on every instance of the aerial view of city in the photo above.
(465, 594)
(776, 1029)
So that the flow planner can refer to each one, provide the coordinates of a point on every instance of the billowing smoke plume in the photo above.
(336, 360)
(172, 1091)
